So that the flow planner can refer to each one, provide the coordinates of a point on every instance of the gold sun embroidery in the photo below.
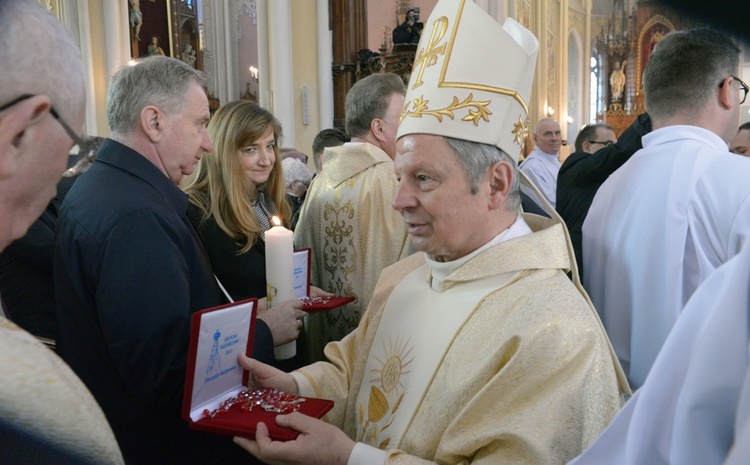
(386, 393)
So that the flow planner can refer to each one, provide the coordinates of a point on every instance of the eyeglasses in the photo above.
(743, 87)
(605, 143)
(87, 153)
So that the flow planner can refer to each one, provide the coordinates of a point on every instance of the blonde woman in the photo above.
(234, 192)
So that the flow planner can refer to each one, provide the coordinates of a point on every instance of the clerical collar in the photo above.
(551, 155)
(441, 270)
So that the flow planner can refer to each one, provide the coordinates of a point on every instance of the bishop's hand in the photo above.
(318, 443)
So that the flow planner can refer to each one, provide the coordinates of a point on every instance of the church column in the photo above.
(220, 49)
(116, 51)
(562, 76)
(280, 44)
(325, 59)
(538, 25)
(586, 81)
(230, 90)
(74, 15)
(265, 96)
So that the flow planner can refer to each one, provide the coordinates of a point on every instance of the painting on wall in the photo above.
(149, 28)
(650, 35)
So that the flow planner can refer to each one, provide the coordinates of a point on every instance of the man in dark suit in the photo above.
(130, 268)
(583, 173)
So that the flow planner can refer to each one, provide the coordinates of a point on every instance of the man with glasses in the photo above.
(46, 413)
(594, 137)
(679, 208)
(582, 174)
(26, 278)
(130, 268)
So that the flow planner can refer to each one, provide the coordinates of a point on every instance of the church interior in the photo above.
(476, 293)
(298, 58)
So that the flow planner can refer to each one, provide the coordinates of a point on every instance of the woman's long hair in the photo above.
(220, 187)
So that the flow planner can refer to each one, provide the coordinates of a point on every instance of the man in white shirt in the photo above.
(679, 208)
(694, 408)
(542, 164)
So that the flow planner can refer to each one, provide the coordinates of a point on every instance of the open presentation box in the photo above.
(302, 264)
(217, 336)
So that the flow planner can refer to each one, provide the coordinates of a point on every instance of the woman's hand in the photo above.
(318, 292)
(284, 321)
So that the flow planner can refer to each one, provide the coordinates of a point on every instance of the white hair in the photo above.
(39, 57)
(295, 170)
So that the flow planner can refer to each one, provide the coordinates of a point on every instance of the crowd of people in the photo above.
(530, 312)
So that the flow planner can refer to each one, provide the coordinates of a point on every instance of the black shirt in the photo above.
(130, 270)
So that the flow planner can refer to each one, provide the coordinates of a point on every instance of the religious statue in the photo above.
(188, 55)
(136, 18)
(617, 81)
(153, 47)
(410, 30)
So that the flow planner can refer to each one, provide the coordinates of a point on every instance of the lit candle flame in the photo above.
(275, 220)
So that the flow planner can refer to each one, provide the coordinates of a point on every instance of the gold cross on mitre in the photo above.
(462, 76)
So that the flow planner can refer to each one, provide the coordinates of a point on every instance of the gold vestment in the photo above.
(348, 222)
(528, 379)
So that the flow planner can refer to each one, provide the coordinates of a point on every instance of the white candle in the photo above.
(280, 275)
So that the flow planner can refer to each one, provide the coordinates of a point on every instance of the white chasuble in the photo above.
(418, 327)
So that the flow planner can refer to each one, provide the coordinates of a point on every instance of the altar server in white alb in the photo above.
(694, 408)
(679, 208)
(460, 358)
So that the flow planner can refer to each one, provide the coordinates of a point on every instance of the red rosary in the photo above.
(270, 400)
(315, 300)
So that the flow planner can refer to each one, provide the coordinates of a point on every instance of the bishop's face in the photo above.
(435, 199)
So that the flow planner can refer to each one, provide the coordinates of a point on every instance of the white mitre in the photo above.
(471, 78)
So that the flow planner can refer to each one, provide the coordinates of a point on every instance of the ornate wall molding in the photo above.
(248, 8)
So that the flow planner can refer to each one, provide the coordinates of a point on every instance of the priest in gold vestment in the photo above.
(346, 219)
(479, 349)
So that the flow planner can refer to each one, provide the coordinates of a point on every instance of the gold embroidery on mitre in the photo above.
(480, 109)
(520, 130)
(430, 56)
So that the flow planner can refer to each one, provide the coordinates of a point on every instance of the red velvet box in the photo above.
(217, 336)
(302, 264)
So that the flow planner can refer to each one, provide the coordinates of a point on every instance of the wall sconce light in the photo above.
(254, 73)
(550, 111)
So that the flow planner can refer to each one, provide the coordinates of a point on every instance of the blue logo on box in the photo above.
(214, 362)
